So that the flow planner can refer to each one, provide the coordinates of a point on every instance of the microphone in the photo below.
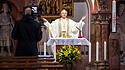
(78, 28)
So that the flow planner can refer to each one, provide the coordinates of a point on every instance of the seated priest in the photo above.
(64, 27)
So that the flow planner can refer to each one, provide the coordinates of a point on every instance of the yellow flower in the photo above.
(76, 49)
(64, 47)
(66, 53)
(70, 49)
(70, 46)
(76, 46)
(78, 52)
(61, 50)
(60, 54)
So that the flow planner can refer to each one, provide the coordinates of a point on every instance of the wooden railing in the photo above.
(32, 62)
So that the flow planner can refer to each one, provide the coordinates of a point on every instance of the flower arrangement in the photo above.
(68, 54)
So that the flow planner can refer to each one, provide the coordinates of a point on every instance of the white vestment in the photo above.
(64, 27)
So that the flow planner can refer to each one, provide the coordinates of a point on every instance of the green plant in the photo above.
(68, 54)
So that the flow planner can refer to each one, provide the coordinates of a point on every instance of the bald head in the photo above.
(63, 13)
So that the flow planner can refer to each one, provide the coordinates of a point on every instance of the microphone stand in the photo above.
(79, 32)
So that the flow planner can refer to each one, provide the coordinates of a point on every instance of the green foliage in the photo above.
(68, 54)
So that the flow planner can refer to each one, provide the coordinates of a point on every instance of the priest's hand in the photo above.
(45, 20)
(83, 18)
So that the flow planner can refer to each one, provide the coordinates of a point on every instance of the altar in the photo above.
(66, 41)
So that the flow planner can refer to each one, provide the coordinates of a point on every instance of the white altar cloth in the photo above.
(68, 41)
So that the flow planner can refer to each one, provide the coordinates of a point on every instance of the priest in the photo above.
(64, 27)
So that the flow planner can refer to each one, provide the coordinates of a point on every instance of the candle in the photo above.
(104, 50)
(113, 16)
(55, 51)
(44, 48)
(97, 51)
(90, 52)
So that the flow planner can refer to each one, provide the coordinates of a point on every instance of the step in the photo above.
(27, 60)
(39, 67)
(30, 63)
(27, 57)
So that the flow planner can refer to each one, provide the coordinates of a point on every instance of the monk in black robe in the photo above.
(26, 33)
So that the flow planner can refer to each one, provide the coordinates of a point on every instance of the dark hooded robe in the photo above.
(27, 32)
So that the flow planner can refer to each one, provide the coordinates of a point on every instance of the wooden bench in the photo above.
(32, 62)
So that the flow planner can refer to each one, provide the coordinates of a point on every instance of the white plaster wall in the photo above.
(80, 9)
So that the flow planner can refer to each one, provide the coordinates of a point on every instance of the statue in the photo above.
(5, 29)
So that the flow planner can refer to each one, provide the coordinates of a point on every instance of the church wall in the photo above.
(17, 6)
(117, 39)
(102, 32)
(80, 9)
(99, 32)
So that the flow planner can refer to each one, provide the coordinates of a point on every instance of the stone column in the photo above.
(104, 37)
(98, 37)
(100, 33)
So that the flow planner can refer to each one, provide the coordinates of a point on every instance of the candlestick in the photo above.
(55, 51)
(113, 16)
(89, 52)
(97, 51)
(104, 50)
(44, 48)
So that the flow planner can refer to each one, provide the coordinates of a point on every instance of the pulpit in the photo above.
(57, 42)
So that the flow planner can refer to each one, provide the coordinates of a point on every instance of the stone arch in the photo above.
(91, 9)
(88, 9)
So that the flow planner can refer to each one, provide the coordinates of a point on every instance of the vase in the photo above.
(69, 66)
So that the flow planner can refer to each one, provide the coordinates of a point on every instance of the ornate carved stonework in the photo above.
(100, 31)
(34, 2)
(100, 28)
(103, 5)
(52, 8)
